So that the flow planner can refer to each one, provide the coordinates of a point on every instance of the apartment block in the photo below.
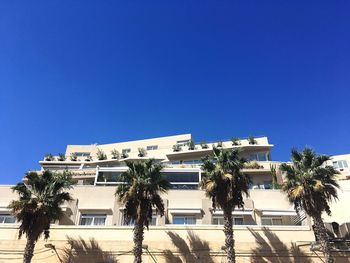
(96, 213)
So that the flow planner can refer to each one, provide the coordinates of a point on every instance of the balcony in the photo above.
(199, 151)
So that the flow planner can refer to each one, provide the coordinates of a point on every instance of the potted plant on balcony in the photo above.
(115, 154)
(236, 141)
(73, 157)
(88, 158)
(219, 144)
(142, 152)
(252, 165)
(101, 155)
(204, 145)
(49, 157)
(191, 145)
(61, 157)
(251, 140)
(125, 155)
(177, 148)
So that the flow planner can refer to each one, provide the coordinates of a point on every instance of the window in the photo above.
(126, 150)
(340, 164)
(261, 156)
(219, 220)
(271, 221)
(82, 154)
(132, 221)
(238, 221)
(7, 219)
(152, 147)
(109, 177)
(93, 219)
(267, 184)
(184, 220)
(183, 142)
(154, 220)
(183, 179)
(193, 162)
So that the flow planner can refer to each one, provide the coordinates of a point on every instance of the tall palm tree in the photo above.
(40, 197)
(225, 184)
(310, 186)
(140, 191)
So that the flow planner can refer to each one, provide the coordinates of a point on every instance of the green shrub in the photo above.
(252, 140)
(177, 148)
(49, 157)
(115, 154)
(101, 155)
(204, 145)
(61, 157)
(252, 165)
(236, 141)
(142, 152)
(191, 145)
(125, 155)
(73, 157)
(219, 144)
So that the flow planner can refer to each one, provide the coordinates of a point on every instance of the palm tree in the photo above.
(140, 191)
(310, 186)
(224, 183)
(40, 197)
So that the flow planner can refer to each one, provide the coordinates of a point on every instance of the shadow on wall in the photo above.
(195, 250)
(272, 250)
(81, 251)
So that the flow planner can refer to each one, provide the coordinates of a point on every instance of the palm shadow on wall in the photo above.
(192, 251)
(270, 249)
(81, 251)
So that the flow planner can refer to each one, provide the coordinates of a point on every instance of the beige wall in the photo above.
(250, 241)
(340, 208)
(207, 241)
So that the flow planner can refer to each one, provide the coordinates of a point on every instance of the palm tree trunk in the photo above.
(321, 233)
(138, 239)
(28, 251)
(229, 240)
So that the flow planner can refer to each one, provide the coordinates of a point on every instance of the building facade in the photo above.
(95, 213)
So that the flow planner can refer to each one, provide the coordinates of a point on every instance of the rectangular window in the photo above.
(267, 184)
(238, 221)
(154, 220)
(219, 220)
(183, 142)
(184, 220)
(126, 150)
(152, 147)
(7, 219)
(335, 165)
(132, 221)
(82, 154)
(340, 164)
(271, 221)
(93, 219)
(262, 157)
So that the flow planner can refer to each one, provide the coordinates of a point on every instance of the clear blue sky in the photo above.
(81, 72)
